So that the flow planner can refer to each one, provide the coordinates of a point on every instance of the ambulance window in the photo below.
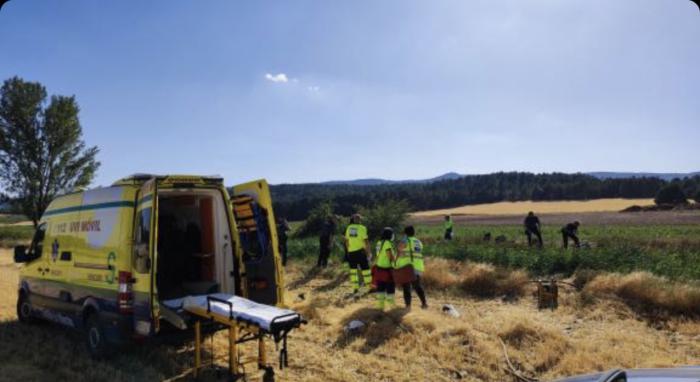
(38, 240)
(143, 232)
(141, 256)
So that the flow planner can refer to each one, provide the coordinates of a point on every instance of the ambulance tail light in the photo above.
(125, 298)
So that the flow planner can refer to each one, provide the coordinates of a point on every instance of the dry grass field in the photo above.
(558, 207)
(597, 329)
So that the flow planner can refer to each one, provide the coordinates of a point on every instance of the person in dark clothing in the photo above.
(411, 252)
(325, 242)
(449, 227)
(532, 228)
(570, 231)
(282, 229)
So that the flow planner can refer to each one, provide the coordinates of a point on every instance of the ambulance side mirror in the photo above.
(21, 254)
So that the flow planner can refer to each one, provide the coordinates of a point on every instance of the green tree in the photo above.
(42, 153)
(317, 218)
(671, 194)
(697, 197)
(390, 213)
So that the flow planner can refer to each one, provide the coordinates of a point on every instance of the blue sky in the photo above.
(299, 91)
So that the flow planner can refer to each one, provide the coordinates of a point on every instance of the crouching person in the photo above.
(409, 267)
(386, 255)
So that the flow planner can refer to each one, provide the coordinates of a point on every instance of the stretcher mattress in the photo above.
(241, 309)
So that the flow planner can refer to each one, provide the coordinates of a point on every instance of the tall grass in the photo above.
(15, 235)
(664, 250)
(670, 251)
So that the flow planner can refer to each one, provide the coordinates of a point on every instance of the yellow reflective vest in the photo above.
(383, 258)
(412, 254)
(356, 234)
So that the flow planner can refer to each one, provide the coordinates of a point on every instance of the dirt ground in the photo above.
(542, 207)
(397, 345)
(587, 218)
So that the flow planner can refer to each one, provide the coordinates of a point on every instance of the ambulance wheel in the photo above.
(94, 335)
(24, 309)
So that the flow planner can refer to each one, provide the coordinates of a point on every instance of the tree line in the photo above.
(294, 201)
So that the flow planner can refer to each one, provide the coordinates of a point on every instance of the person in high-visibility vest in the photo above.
(358, 253)
(448, 227)
(386, 255)
(411, 252)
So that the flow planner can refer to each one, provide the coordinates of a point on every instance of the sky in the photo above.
(305, 91)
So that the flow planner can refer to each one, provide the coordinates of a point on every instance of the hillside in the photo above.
(294, 201)
(667, 176)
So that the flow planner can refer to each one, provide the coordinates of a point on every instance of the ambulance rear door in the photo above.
(146, 307)
(257, 231)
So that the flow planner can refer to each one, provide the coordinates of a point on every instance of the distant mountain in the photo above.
(626, 175)
(453, 175)
(378, 181)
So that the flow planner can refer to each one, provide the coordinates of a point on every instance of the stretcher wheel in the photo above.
(269, 375)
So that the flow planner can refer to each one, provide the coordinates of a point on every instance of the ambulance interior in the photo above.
(194, 247)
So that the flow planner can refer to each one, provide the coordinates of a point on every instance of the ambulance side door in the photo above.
(257, 233)
(144, 260)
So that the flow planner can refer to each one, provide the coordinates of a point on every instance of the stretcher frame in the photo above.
(241, 331)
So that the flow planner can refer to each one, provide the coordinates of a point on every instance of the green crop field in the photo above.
(672, 251)
(11, 219)
(11, 235)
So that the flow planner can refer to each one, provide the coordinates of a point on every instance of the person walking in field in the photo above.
(448, 227)
(325, 242)
(358, 253)
(410, 254)
(532, 228)
(386, 255)
(570, 231)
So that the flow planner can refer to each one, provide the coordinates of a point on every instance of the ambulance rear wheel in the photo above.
(94, 334)
(24, 309)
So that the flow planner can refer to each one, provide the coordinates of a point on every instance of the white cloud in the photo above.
(313, 88)
(279, 77)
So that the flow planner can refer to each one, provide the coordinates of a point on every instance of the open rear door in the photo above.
(257, 231)
(146, 308)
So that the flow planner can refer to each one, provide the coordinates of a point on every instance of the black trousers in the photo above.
(530, 232)
(358, 259)
(386, 287)
(568, 235)
(283, 251)
(324, 252)
(448, 234)
(419, 291)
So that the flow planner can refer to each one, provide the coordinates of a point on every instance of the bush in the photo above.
(697, 197)
(317, 218)
(671, 194)
(391, 213)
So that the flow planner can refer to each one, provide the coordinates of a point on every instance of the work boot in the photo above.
(390, 302)
(381, 299)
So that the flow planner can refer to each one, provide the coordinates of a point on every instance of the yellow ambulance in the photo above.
(103, 260)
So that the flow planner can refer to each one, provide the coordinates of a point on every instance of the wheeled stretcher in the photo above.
(246, 321)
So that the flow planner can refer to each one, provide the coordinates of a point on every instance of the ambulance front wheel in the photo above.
(94, 334)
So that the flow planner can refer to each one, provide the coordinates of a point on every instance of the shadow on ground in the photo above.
(46, 351)
(379, 328)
